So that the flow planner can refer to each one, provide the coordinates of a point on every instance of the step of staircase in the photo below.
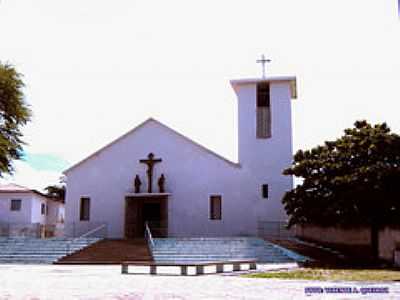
(214, 249)
(39, 251)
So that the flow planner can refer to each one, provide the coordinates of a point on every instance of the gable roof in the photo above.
(16, 188)
(149, 120)
(13, 188)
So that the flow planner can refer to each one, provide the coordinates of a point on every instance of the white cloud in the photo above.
(27, 176)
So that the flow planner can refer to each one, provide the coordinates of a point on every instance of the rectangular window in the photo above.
(263, 111)
(215, 207)
(85, 209)
(265, 190)
(43, 209)
(16, 204)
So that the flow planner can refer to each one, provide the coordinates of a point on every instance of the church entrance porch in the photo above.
(142, 208)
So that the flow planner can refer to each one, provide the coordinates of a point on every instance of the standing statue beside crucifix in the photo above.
(161, 183)
(137, 183)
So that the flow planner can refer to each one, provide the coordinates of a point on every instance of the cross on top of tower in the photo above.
(263, 61)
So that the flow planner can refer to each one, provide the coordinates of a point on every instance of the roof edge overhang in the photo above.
(94, 154)
(147, 195)
(276, 79)
(36, 192)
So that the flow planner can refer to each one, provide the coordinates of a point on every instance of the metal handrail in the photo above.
(92, 231)
(83, 236)
(148, 236)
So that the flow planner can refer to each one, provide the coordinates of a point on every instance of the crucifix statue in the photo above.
(263, 61)
(150, 162)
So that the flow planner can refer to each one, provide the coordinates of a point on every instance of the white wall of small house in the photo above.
(193, 174)
(31, 209)
(37, 216)
(22, 216)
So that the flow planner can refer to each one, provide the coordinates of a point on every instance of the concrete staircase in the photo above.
(39, 251)
(218, 249)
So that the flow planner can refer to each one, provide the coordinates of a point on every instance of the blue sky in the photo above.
(94, 69)
(45, 162)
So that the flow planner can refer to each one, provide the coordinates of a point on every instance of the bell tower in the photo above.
(264, 119)
(265, 140)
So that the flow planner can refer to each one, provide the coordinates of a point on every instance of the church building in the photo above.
(155, 175)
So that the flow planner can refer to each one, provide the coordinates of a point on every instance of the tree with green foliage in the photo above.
(56, 191)
(353, 181)
(14, 113)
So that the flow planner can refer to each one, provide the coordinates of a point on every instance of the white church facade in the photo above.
(154, 174)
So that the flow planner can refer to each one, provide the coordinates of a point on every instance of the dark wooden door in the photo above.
(139, 210)
(131, 218)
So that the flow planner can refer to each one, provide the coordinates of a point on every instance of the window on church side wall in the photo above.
(264, 190)
(215, 207)
(85, 209)
(263, 111)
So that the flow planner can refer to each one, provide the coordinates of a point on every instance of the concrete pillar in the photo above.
(220, 268)
(124, 269)
(199, 270)
(153, 270)
(236, 267)
(184, 270)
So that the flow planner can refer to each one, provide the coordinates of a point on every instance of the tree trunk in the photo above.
(375, 242)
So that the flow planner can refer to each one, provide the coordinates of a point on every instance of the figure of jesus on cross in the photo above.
(150, 162)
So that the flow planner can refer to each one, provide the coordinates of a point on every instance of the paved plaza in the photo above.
(106, 282)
